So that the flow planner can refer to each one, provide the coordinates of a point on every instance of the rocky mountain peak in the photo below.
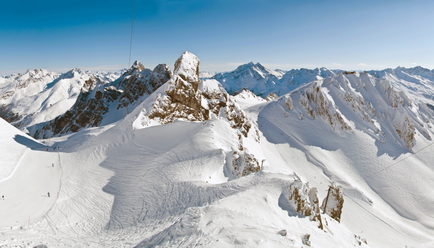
(187, 69)
(137, 66)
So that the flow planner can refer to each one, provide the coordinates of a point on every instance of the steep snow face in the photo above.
(13, 145)
(379, 135)
(348, 101)
(39, 95)
(297, 77)
(245, 98)
(417, 82)
(262, 81)
(254, 77)
(101, 104)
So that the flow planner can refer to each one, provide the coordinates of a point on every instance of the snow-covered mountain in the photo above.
(254, 77)
(417, 81)
(262, 81)
(342, 161)
(39, 96)
(100, 103)
(207, 74)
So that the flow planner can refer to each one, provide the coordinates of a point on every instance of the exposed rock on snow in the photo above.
(360, 101)
(142, 81)
(185, 97)
(333, 203)
(88, 111)
(97, 99)
(271, 97)
(301, 199)
(242, 163)
(315, 102)
(38, 96)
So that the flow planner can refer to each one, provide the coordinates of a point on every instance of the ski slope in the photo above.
(165, 186)
(143, 182)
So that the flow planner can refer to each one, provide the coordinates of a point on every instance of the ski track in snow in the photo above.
(165, 185)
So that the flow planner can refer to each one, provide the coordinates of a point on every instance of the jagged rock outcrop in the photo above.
(271, 97)
(315, 102)
(142, 81)
(186, 97)
(88, 111)
(332, 205)
(39, 96)
(303, 200)
(359, 101)
(8, 115)
(97, 99)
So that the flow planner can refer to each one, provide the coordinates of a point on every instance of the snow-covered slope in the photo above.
(359, 131)
(101, 103)
(262, 81)
(39, 96)
(254, 77)
(344, 161)
(417, 82)
(297, 77)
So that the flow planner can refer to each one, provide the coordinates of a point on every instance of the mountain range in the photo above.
(249, 158)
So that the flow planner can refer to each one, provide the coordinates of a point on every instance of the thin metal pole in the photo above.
(131, 39)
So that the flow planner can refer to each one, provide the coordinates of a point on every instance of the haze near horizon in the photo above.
(95, 35)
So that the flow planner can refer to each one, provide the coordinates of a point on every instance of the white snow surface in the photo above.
(39, 95)
(166, 185)
(207, 74)
(263, 81)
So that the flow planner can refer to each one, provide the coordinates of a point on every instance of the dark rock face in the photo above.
(96, 98)
(8, 115)
(87, 111)
(142, 83)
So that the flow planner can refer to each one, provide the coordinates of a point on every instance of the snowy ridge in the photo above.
(254, 77)
(418, 82)
(39, 96)
(262, 81)
(381, 110)
(331, 164)
(100, 103)
(185, 97)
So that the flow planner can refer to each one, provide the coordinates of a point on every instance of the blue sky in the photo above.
(284, 34)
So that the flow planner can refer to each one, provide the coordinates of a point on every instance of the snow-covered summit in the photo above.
(262, 81)
(254, 77)
(39, 96)
(101, 103)
(417, 82)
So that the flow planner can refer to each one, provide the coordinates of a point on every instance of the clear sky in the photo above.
(285, 34)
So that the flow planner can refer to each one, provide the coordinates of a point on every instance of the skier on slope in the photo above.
(48, 194)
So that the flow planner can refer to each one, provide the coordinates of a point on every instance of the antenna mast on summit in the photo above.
(131, 39)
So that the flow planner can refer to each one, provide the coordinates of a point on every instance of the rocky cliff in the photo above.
(98, 100)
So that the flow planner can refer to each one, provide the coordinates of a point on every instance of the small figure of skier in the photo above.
(52, 165)
(3, 197)
(48, 194)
